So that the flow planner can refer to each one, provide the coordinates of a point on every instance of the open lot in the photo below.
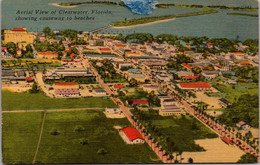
(179, 130)
(65, 147)
(20, 133)
(216, 151)
(28, 101)
(233, 92)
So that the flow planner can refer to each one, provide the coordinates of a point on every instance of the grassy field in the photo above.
(233, 92)
(28, 101)
(20, 133)
(243, 14)
(99, 133)
(179, 130)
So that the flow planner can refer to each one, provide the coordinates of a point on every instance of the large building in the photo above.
(66, 89)
(131, 135)
(47, 55)
(195, 86)
(18, 35)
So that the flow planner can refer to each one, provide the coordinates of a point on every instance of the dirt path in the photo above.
(40, 137)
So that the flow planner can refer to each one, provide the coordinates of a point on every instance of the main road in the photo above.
(126, 111)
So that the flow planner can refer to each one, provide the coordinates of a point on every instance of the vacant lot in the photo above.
(28, 101)
(233, 92)
(98, 132)
(20, 133)
(182, 130)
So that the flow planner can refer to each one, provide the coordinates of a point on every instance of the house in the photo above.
(210, 74)
(181, 74)
(150, 88)
(131, 135)
(171, 110)
(100, 92)
(113, 110)
(47, 55)
(131, 54)
(140, 103)
(138, 77)
(190, 77)
(224, 103)
(243, 125)
(117, 87)
(187, 66)
(19, 52)
(164, 77)
(154, 64)
(194, 86)
(66, 89)
(209, 45)
(137, 71)
(104, 50)
(29, 79)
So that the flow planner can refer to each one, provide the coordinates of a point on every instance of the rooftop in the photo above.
(195, 85)
(132, 133)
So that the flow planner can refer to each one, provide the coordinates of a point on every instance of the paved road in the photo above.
(125, 110)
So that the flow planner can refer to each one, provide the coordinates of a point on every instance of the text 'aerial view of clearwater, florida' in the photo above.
(129, 81)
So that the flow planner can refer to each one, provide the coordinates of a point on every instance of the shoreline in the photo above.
(144, 24)
(57, 5)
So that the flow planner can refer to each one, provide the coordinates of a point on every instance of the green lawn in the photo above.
(178, 129)
(233, 92)
(28, 101)
(99, 132)
(20, 133)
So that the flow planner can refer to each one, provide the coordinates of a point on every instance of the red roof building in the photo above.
(186, 65)
(28, 79)
(217, 65)
(104, 49)
(4, 48)
(190, 77)
(19, 29)
(132, 133)
(226, 140)
(118, 86)
(194, 86)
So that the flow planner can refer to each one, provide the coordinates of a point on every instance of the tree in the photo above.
(54, 132)
(133, 82)
(190, 160)
(196, 70)
(101, 151)
(34, 88)
(47, 31)
(83, 141)
(247, 158)
(79, 128)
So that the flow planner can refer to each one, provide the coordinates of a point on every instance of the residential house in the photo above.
(100, 92)
(210, 74)
(243, 125)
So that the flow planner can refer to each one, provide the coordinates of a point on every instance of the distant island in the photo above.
(138, 21)
(243, 14)
(158, 5)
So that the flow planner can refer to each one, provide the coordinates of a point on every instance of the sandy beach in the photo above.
(140, 25)
(216, 152)
(57, 5)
